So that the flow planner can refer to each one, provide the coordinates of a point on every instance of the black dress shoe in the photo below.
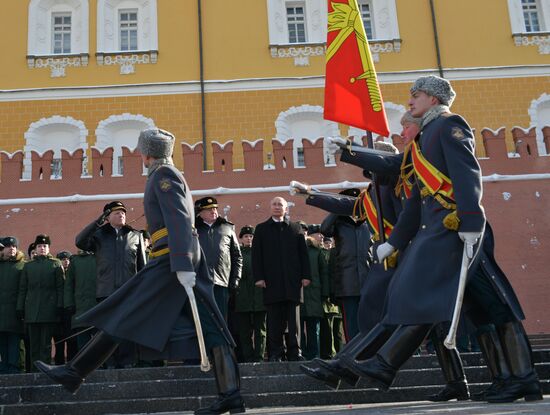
(64, 374)
(452, 390)
(374, 369)
(323, 375)
(334, 367)
(486, 393)
(515, 388)
(231, 402)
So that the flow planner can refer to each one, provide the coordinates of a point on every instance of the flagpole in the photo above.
(377, 201)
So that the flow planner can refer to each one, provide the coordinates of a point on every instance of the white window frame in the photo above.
(64, 31)
(361, 4)
(40, 26)
(108, 32)
(294, 5)
(517, 22)
(128, 27)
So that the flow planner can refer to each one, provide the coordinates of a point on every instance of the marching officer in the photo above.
(11, 326)
(154, 303)
(249, 304)
(40, 298)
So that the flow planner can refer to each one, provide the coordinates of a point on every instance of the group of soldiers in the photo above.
(432, 260)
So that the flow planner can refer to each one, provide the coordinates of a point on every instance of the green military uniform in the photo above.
(80, 291)
(251, 312)
(315, 294)
(331, 333)
(40, 297)
(11, 326)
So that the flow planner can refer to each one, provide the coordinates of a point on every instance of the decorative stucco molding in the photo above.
(535, 111)
(127, 61)
(57, 63)
(540, 39)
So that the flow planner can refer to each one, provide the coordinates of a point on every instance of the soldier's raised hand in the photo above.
(186, 278)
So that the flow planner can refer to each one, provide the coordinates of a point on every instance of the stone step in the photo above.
(246, 369)
(190, 387)
(261, 400)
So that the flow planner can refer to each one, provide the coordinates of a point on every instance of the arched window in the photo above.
(119, 131)
(394, 112)
(126, 25)
(305, 121)
(54, 133)
(539, 113)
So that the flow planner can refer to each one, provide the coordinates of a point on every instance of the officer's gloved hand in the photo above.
(101, 220)
(384, 250)
(297, 188)
(470, 239)
(186, 278)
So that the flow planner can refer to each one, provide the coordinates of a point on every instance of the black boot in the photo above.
(228, 381)
(523, 382)
(90, 357)
(493, 354)
(364, 345)
(456, 386)
(383, 367)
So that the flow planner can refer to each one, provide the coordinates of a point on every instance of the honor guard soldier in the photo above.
(11, 326)
(154, 303)
(40, 298)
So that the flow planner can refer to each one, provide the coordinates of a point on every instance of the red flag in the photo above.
(352, 94)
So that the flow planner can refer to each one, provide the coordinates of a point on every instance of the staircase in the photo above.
(185, 388)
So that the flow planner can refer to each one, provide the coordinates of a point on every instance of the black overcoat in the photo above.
(149, 308)
(279, 256)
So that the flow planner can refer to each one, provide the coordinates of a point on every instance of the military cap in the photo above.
(303, 225)
(246, 230)
(31, 248)
(350, 192)
(63, 255)
(156, 143)
(311, 229)
(9, 241)
(384, 146)
(435, 87)
(113, 206)
(42, 240)
(327, 239)
(206, 203)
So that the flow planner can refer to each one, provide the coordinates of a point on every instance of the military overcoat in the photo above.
(149, 309)
(10, 275)
(80, 286)
(318, 290)
(248, 297)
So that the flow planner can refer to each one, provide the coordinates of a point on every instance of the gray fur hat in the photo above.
(407, 117)
(156, 143)
(436, 87)
(384, 146)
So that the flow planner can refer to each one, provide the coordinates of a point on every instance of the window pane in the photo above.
(61, 33)
(296, 24)
(531, 15)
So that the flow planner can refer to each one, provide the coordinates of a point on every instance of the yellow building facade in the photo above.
(83, 73)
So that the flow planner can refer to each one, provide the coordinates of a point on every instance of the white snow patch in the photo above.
(523, 266)
(16, 210)
(506, 195)
(537, 194)
(534, 241)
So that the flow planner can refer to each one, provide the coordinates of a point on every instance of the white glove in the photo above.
(335, 144)
(470, 239)
(383, 251)
(298, 188)
(186, 278)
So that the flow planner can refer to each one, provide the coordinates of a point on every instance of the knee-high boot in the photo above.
(456, 386)
(523, 382)
(383, 366)
(90, 357)
(332, 372)
(228, 382)
(490, 346)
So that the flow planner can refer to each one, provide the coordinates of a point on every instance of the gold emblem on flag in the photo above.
(346, 19)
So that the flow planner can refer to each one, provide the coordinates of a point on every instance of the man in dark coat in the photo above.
(40, 298)
(64, 328)
(11, 326)
(152, 308)
(120, 253)
(444, 151)
(79, 292)
(249, 304)
(352, 240)
(280, 265)
(221, 248)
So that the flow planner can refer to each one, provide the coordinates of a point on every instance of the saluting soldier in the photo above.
(154, 304)
(80, 292)
(11, 326)
(249, 304)
(40, 298)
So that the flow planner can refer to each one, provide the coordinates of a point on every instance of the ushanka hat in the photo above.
(63, 255)
(436, 87)
(246, 230)
(384, 146)
(9, 241)
(42, 240)
(156, 143)
(206, 203)
(113, 206)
